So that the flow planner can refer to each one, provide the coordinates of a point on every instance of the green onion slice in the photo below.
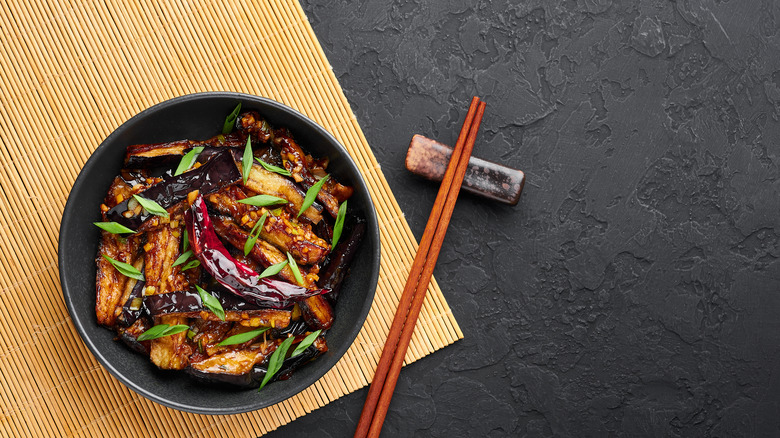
(254, 234)
(162, 330)
(182, 258)
(113, 227)
(211, 303)
(276, 360)
(306, 343)
(272, 168)
(273, 269)
(125, 269)
(191, 264)
(311, 194)
(246, 161)
(243, 337)
(339, 225)
(188, 160)
(263, 200)
(151, 206)
(230, 120)
(294, 268)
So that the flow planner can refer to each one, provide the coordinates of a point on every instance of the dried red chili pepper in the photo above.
(234, 275)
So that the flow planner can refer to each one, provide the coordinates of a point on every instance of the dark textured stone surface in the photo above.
(635, 289)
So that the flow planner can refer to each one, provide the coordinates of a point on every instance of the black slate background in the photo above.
(634, 289)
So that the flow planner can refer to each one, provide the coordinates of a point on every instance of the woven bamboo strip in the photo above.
(70, 72)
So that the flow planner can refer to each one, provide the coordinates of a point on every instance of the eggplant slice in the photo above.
(171, 352)
(111, 284)
(204, 235)
(269, 183)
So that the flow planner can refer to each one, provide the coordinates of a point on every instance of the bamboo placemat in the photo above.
(70, 73)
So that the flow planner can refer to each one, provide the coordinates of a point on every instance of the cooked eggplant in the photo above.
(189, 301)
(280, 229)
(111, 285)
(234, 367)
(217, 173)
(119, 191)
(170, 153)
(134, 305)
(171, 352)
(295, 328)
(295, 162)
(161, 251)
(262, 252)
(339, 261)
(207, 335)
(130, 335)
(173, 282)
(253, 123)
(188, 304)
(317, 312)
(292, 363)
(289, 235)
(269, 183)
(226, 202)
(157, 154)
(302, 167)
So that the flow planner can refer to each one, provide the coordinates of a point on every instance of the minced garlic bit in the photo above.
(136, 303)
(192, 196)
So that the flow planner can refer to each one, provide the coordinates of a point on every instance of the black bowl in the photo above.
(199, 116)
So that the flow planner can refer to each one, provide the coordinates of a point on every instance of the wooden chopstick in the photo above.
(388, 369)
(422, 285)
(394, 334)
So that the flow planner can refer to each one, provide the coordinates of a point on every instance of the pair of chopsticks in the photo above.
(386, 376)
